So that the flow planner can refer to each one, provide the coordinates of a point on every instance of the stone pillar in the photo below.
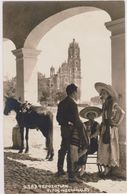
(26, 74)
(117, 28)
(26, 83)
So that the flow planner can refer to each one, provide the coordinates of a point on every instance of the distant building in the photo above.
(68, 72)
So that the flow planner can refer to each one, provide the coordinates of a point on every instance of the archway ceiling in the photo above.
(19, 18)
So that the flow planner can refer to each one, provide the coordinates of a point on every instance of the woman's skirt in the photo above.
(108, 154)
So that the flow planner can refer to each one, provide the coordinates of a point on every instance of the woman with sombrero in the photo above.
(92, 128)
(112, 114)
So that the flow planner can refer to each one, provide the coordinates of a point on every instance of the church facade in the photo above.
(69, 72)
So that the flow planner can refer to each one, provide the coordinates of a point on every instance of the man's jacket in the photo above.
(68, 112)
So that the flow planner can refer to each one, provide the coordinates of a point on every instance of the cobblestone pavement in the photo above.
(21, 179)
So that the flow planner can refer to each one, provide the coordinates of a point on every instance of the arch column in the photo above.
(26, 74)
(117, 28)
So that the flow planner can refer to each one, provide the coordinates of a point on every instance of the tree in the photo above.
(43, 88)
(44, 95)
(9, 87)
(60, 96)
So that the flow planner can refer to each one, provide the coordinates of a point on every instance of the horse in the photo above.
(30, 118)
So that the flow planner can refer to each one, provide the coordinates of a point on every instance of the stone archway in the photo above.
(40, 30)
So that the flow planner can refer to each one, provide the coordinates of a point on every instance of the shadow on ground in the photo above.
(20, 156)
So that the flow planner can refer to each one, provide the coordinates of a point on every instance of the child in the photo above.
(92, 129)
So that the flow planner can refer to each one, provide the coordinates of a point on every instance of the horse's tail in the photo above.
(50, 137)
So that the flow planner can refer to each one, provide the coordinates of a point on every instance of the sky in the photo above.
(93, 38)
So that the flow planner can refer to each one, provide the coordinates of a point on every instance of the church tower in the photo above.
(74, 64)
(52, 71)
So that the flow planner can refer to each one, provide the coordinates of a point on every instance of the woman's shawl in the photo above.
(112, 116)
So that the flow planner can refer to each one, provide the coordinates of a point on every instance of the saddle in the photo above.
(26, 107)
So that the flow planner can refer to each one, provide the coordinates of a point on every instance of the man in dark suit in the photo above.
(68, 119)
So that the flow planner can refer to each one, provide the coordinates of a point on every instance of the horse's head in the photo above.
(10, 104)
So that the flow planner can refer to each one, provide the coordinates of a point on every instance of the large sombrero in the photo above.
(99, 86)
(90, 109)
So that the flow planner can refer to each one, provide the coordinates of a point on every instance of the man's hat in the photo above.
(90, 109)
(99, 86)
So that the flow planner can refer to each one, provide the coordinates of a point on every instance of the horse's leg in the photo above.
(47, 146)
(50, 152)
(22, 139)
(51, 155)
(27, 137)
